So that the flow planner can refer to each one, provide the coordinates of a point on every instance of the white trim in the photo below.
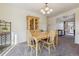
(7, 50)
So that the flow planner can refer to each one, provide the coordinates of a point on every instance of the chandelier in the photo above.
(45, 9)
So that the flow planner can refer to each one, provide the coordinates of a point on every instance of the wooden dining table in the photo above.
(39, 36)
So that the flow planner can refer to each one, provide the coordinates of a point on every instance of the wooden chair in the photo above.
(31, 41)
(50, 41)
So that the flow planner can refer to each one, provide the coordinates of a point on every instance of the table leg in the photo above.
(36, 48)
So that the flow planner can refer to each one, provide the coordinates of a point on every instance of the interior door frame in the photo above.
(73, 29)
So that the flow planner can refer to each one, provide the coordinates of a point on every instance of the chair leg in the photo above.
(54, 46)
(49, 50)
(39, 49)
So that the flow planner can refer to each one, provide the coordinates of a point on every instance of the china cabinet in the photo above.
(32, 23)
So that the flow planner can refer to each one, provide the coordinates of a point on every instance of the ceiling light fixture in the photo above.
(46, 9)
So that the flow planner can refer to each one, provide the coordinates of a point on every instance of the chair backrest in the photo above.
(52, 35)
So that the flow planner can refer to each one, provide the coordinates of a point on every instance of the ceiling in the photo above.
(35, 7)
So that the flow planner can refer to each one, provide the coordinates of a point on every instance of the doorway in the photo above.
(66, 29)
(69, 28)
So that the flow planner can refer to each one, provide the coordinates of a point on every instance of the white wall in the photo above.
(77, 26)
(18, 18)
(52, 23)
